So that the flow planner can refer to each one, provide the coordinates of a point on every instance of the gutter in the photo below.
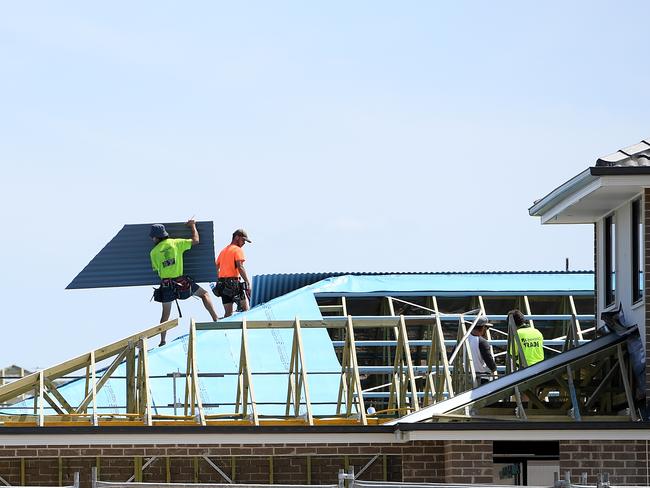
(202, 437)
(619, 170)
(576, 183)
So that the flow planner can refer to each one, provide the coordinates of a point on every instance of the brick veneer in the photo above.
(626, 462)
(424, 462)
(450, 461)
(50, 465)
(468, 462)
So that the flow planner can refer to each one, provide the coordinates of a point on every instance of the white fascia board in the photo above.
(495, 434)
(562, 192)
(640, 181)
(571, 199)
(527, 434)
(194, 439)
(551, 207)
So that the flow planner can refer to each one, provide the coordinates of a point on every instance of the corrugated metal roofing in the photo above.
(125, 261)
(269, 286)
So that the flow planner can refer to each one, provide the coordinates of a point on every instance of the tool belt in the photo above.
(230, 287)
(171, 289)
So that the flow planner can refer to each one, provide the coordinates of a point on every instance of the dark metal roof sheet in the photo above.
(269, 286)
(125, 261)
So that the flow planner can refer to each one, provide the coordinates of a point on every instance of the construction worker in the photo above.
(230, 268)
(532, 340)
(167, 261)
(482, 358)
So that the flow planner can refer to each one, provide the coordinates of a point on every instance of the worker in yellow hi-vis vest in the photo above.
(532, 340)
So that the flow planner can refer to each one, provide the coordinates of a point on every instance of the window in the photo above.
(610, 261)
(637, 252)
(526, 462)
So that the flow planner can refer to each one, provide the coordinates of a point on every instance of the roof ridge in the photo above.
(360, 273)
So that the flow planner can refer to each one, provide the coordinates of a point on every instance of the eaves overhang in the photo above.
(552, 204)
(197, 436)
(620, 171)
(591, 195)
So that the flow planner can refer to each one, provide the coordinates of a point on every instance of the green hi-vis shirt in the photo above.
(167, 257)
(532, 342)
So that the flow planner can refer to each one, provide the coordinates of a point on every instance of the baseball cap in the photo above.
(483, 322)
(243, 233)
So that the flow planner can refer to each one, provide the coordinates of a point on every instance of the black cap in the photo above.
(242, 233)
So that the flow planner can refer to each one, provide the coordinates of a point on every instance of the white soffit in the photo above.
(588, 199)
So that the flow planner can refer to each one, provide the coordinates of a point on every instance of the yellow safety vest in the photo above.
(532, 342)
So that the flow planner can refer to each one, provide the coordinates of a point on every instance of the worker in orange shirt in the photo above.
(231, 272)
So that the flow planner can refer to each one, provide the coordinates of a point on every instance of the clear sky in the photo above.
(344, 136)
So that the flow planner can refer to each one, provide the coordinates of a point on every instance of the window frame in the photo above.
(637, 245)
(609, 255)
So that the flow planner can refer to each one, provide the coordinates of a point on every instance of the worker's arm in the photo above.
(244, 275)
(195, 233)
(484, 348)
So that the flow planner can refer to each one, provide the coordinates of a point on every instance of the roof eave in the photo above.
(619, 170)
(566, 191)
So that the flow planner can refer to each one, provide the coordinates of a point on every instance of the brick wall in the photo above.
(625, 461)
(182, 470)
(290, 470)
(468, 462)
(453, 461)
(325, 469)
(83, 466)
(42, 471)
(244, 463)
(10, 471)
(424, 462)
(156, 471)
(116, 468)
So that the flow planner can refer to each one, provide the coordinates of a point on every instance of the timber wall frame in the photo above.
(132, 351)
(409, 387)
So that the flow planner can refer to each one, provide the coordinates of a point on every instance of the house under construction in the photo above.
(372, 371)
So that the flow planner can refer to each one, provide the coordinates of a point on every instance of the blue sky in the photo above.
(365, 136)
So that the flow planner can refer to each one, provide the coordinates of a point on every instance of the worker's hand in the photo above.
(249, 291)
(191, 223)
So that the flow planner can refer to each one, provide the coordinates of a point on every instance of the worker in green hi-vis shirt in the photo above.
(532, 340)
(167, 261)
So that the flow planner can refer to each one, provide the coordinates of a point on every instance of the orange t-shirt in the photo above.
(226, 261)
